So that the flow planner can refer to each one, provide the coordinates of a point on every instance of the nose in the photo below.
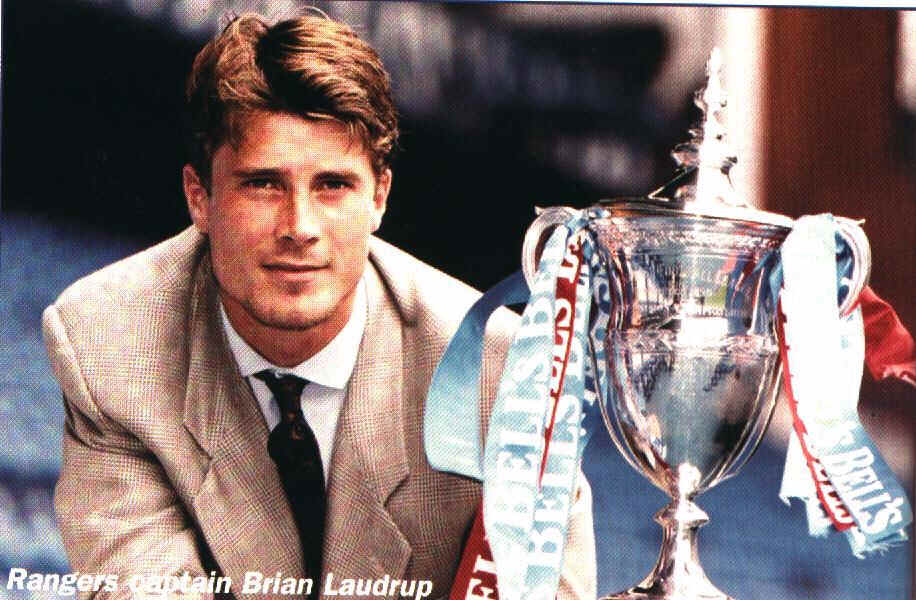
(299, 220)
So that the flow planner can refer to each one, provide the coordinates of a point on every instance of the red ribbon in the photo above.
(476, 577)
(889, 347)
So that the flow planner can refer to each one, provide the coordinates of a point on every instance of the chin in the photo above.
(289, 317)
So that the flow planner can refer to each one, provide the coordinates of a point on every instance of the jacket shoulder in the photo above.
(426, 296)
(158, 272)
(122, 327)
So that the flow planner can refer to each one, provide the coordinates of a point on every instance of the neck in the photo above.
(286, 347)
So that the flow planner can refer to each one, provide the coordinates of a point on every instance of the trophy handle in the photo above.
(860, 269)
(537, 235)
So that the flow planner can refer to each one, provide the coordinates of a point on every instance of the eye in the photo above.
(334, 185)
(262, 183)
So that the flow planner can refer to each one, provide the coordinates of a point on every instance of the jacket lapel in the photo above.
(369, 459)
(241, 506)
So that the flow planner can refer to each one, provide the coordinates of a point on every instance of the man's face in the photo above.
(288, 215)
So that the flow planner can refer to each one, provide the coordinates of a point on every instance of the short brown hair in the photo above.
(311, 66)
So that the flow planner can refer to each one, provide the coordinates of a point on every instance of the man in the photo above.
(248, 395)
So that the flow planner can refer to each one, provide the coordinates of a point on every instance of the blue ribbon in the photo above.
(451, 428)
(526, 517)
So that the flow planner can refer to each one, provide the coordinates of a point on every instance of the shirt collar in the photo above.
(331, 366)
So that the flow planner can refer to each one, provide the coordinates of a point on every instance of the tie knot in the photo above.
(287, 389)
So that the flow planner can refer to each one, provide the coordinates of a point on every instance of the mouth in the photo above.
(293, 270)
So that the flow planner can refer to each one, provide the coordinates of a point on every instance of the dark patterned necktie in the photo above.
(294, 449)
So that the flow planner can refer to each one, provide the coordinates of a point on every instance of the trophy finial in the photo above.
(708, 152)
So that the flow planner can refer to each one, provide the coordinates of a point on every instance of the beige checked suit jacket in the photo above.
(165, 467)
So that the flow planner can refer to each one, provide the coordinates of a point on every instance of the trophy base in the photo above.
(661, 592)
(678, 574)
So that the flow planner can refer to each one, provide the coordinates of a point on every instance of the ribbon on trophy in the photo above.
(889, 348)
(831, 463)
(537, 429)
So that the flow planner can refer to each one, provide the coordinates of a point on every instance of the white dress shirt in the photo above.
(327, 372)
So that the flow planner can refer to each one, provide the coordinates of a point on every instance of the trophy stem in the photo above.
(677, 573)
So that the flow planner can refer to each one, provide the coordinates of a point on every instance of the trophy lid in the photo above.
(702, 186)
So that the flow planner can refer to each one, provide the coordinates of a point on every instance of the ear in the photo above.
(380, 199)
(198, 198)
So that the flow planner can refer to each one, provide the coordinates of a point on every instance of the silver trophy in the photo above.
(692, 356)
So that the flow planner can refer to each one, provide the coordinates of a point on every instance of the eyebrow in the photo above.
(256, 172)
(345, 174)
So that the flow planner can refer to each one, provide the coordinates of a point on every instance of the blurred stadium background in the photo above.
(504, 107)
